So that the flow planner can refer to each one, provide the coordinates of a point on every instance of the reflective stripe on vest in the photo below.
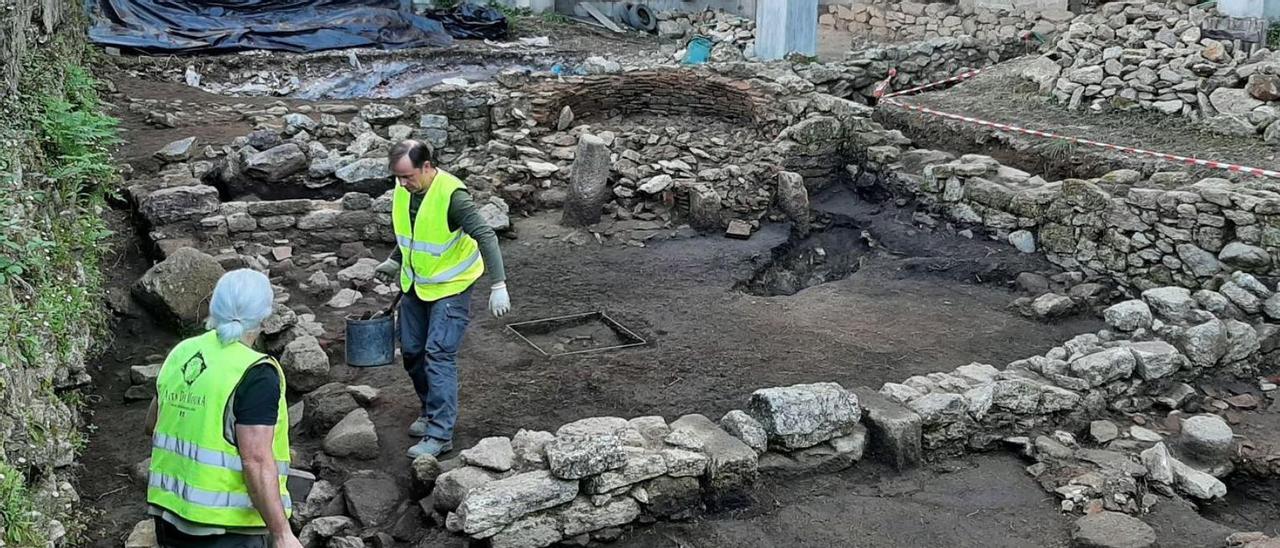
(447, 275)
(424, 247)
(436, 262)
(206, 456)
(196, 472)
(201, 497)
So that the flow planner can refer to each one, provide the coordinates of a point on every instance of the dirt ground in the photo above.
(921, 301)
(999, 94)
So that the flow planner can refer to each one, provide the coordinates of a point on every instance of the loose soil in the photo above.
(1000, 94)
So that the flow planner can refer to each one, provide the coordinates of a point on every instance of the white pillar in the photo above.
(786, 26)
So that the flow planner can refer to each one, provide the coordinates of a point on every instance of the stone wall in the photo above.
(894, 21)
(52, 312)
(1164, 230)
(1151, 56)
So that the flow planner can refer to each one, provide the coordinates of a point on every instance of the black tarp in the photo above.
(468, 20)
(221, 26)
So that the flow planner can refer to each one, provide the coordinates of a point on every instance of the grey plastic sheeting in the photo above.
(220, 26)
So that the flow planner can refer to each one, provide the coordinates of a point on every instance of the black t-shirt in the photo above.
(257, 398)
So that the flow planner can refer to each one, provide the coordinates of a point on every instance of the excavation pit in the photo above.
(576, 334)
(827, 256)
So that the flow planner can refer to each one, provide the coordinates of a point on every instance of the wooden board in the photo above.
(600, 16)
(1244, 29)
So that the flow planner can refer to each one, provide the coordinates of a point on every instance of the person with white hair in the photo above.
(219, 429)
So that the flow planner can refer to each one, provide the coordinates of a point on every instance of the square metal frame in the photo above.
(613, 324)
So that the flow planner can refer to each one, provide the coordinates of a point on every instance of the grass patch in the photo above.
(55, 175)
(1273, 36)
(21, 528)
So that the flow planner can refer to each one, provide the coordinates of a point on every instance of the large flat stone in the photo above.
(895, 432)
(576, 456)
(804, 415)
(501, 502)
(641, 465)
(731, 467)
(1112, 530)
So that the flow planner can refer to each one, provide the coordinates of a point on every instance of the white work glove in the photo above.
(499, 301)
(387, 270)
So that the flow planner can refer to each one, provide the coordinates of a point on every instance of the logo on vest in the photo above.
(193, 369)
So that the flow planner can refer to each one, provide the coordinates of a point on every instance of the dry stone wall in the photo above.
(1164, 230)
(894, 21)
(1151, 56)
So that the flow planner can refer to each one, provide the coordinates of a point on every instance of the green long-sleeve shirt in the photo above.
(464, 214)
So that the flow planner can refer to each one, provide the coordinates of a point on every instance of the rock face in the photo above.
(1112, 530)
(178, 288)
(277, 163)
(576, 456)
(367, 170)
(1103, 367)
(1128, 315)
(371, 497)
(354, 436)
(588, 183)
(1206, 438)
(732, 466)
(895, 431)
(745, 428)
(452, 486)
(493, 453)
(305, 364)
(324, 407)
(804, 415)
(177, 151)
(501, 502)
(179, 203)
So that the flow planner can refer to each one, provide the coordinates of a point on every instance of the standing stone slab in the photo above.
(895, 431)
(588, 182)
(804, 415)
(1156, 359)
(576, 456)
(731, 467)
(675, 498)
(501, 502)
(353, 436)
(1206, 438)
(371, 497)
(178, 288)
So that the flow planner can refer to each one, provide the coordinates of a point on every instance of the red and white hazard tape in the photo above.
(931, 85)
(889, 99)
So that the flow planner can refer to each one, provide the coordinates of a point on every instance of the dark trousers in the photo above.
(169, 536)
(430, 335)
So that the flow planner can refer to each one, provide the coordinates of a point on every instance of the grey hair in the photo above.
(241, 301)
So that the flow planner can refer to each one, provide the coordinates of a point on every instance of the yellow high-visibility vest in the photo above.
(434, 261)
(196, 473)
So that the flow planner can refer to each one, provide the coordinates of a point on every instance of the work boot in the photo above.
(419, 428)
(430, 446)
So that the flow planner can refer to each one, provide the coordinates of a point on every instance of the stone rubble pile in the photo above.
(733, 37)
(1151, 56)
(908, 21)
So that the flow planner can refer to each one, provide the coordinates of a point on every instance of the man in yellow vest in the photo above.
(219, 430)
(442, 247)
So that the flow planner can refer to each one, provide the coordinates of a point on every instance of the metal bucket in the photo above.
(372, 342)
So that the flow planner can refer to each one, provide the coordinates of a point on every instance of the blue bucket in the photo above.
(698, 51)
(372, 342)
